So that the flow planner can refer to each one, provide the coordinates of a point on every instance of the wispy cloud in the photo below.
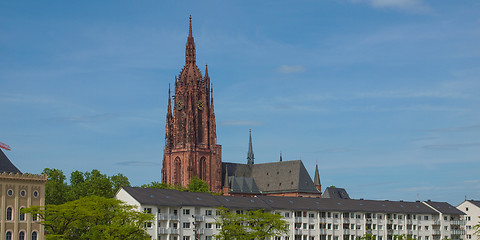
(290, 68)
(456, 129)
(451, 146)
(408, 5)
(241, 123)
(91, 118)
(138, 163)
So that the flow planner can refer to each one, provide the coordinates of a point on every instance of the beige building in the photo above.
(18, 191)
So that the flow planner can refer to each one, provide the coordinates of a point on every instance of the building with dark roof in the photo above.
(471, 208)
(334, 192)
(189, 216)
(18, 191)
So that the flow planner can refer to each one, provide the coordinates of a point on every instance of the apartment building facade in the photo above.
(193, 216)
(471, 208)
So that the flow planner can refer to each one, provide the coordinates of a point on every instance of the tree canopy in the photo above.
(256, 224)
(195, 185)
(82, 184)
(92, 217)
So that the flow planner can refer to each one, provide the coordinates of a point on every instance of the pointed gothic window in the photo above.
(177, 171)
(203, 169)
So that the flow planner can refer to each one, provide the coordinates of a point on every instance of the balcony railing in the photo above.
(436, 232)
(457, 222)
(199, 218)
(164, 231)
(164, 217)
(457, 232)
(436, 222)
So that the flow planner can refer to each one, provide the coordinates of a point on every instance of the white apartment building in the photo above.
(192, 216)
(472, 210)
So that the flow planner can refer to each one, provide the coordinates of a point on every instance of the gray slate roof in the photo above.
(6, 165)
(275, 177)
(444, 208)
(476, 203)
(168, 197)
(331, 192)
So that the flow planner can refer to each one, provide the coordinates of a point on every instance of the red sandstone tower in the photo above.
(190, 138)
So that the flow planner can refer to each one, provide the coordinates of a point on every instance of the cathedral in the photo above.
(191, 147)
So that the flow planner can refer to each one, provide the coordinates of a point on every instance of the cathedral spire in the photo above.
(316, 180)
(250, 156)
(190, 49)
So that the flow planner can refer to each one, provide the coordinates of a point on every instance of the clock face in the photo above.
(201, 105)
(179, 105)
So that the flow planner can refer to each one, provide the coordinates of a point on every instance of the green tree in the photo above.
(250, 225)
(232, 226)
(118, 181)
(368, 236)
(477, 229)
(56, 187)
(264, 225)
(403, 237)
(197, 185)
(92, 217)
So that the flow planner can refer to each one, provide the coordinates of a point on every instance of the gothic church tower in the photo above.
(190, 137)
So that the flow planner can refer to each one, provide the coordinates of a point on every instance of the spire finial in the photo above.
(190, 49)
(281, 156)
(250, 156)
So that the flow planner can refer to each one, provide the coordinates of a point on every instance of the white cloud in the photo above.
(410, 5)
(290, 68)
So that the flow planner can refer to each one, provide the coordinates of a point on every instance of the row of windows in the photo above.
(9, 215)
(23, 193)
(299, 214)
(21, 235)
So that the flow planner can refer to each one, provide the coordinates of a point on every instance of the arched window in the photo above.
(177, 171)
(8, 236)
(203, 169)
(9, 214)
(34, 235)
(22, 215)
(21, 235)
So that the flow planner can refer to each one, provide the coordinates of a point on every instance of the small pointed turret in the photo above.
(250, 156)
(190, 49)
(226, 186)
(281, 157)
(316, 181)
(169, 125)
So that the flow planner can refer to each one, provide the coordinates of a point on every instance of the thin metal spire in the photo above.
(250, 156)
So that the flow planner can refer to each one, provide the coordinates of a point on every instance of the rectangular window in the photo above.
(335, 215)
(208, 225)
(426, 227)
(208, 237)
(218, 226)
(380, 216)
(425, 218)
(186, 225)
(352, 226)
(186, 211)
(446, 228)
(311, 215)
(380, 227)
(148, 225)
(287, 214)
(335, 226)
(311, 226)
(359, 216)
(147, 210)
(329, 226)
(305, 226)
(186, 237)
(208, 212)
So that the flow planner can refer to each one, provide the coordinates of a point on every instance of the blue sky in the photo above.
(382, 94)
